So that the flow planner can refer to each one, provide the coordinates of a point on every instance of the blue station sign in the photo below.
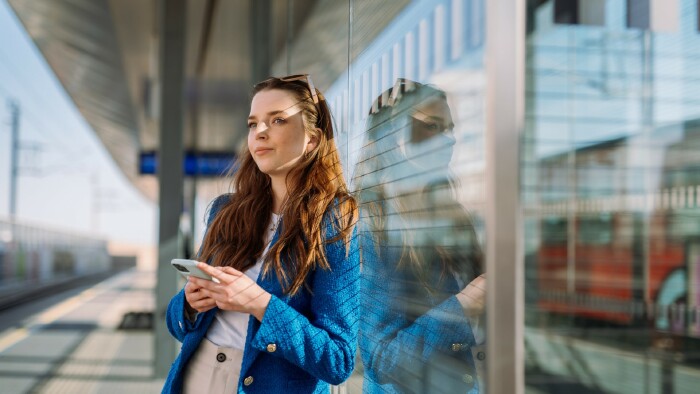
(207, 164)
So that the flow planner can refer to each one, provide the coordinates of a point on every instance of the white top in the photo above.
(229, 329)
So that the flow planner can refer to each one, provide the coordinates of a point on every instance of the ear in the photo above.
(313, 141)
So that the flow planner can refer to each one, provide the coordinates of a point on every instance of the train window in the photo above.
(554, 230)
(595, 230)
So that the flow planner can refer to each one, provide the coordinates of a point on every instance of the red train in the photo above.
(625, 250)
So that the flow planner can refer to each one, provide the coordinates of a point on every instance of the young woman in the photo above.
(422, 289)
(281, 314)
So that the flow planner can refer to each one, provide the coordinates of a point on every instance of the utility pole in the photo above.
(14, 157)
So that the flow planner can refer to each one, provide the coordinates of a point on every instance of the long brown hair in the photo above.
(315, 187)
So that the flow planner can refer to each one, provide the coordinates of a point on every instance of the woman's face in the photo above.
(277, 139)
(428, 141)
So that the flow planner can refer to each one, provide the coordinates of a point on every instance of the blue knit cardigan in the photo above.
(315, 336)
(411, 341)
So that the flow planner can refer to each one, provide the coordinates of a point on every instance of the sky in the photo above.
(67, 179)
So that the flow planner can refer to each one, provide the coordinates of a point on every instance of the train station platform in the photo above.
(77, 341)
(96, 339)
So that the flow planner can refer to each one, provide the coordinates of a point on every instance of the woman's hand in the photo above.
(473, 297)
(234, 292)
(197, 301)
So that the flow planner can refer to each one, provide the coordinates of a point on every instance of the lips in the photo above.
(262, 151)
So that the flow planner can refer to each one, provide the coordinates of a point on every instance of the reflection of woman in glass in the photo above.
(422, 290)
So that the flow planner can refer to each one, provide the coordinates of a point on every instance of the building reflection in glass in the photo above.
(422, 326)
(611, 196)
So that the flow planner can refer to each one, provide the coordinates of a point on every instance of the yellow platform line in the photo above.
(49, 316)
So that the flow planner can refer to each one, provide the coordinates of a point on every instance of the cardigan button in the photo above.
(248, 381)
(468, 379)
(221, 357)
(271, 347)
(481, 356)
(456, 347)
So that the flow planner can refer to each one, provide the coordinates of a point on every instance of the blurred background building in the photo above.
(576, 151)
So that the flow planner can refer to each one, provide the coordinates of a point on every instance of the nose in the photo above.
(261, 130)
(449, 135)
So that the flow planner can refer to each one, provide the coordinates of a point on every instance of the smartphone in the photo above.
(189, 267)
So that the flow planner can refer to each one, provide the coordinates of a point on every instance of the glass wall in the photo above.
(415, 123)
(609, 187)
(611, 196)
(406, 83)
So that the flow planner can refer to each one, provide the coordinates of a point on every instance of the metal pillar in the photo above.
(261, 17)
(170, 169)
(505, 68)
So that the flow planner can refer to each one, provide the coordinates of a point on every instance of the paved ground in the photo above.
(70, 343)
